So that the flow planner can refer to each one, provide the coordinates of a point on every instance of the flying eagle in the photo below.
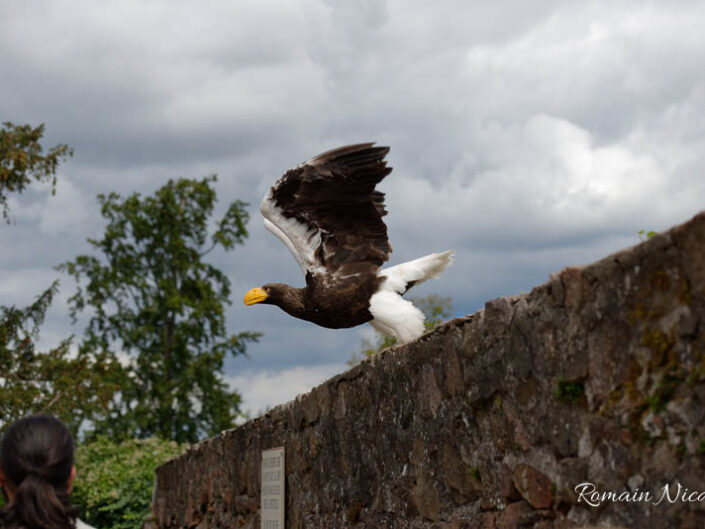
(329, 215)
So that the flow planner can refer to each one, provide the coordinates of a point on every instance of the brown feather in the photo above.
(335, 193)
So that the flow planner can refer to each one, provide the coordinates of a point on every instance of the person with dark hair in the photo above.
(36, 475)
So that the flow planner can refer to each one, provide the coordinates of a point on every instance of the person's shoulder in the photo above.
(80, 524)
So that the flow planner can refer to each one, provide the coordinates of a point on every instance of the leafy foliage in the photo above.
(114, 481)
(153, 298)
(649, 234)
(435, 308)
(71, 388)
(21, 159)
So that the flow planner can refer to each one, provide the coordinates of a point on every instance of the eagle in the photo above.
(328, 213)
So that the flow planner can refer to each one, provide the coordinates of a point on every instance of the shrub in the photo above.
(114, 481)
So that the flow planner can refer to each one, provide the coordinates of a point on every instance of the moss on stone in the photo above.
(568, 391)
(701, 448)
(659, 343)
(665, 388)
(498, 404)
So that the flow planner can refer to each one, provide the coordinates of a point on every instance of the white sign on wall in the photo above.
(273, 507)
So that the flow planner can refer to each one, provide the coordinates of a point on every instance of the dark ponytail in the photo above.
(37, 457)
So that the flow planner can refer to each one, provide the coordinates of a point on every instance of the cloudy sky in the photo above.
(528, 136)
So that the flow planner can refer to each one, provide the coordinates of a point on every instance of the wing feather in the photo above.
(328, 213)
(287, 242)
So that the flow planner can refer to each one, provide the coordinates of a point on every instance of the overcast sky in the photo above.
(527, 136)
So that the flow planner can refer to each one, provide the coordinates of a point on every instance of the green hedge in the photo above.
(114, 481)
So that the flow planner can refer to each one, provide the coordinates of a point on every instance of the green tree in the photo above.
(114, 480)
(21, 159)
(72, 387)
(153, 298)
(436, 309)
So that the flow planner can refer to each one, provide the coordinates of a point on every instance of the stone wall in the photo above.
(492, 420)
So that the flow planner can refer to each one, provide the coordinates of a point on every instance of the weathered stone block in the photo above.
(534, 486)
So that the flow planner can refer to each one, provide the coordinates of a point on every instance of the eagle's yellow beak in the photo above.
(255, 296)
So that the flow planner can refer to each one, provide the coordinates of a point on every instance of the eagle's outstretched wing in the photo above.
(327, 212)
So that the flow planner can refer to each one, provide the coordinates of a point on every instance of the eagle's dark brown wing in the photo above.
(327, 212)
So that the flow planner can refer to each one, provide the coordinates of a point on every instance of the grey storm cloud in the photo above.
(526, 135)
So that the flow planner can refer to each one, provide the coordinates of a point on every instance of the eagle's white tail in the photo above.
(395, 315)
(405, 275)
